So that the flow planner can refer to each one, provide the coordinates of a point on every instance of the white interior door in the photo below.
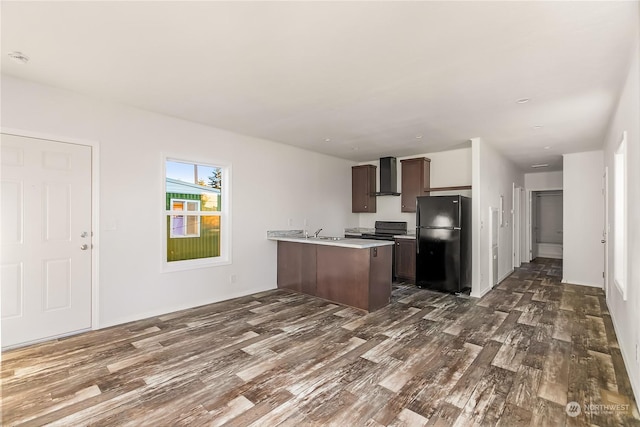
(45, 263)
(534, 225)
(516, 226)
(605, 230)
(524, 251)
(495, 226)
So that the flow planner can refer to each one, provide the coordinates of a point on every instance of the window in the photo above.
(620, 217)
(184, 225)
(196, 215)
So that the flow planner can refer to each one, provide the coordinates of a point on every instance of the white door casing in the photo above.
(523, 228)
(605, 230)
(534, 225)
(494, 216)
(517, 226)
(45, 263)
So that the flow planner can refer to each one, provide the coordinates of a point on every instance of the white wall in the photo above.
(549, 216)
(493, 176)
(583, 218)
(271, 183)
(543, 180)
(448, 169)
(626, 314)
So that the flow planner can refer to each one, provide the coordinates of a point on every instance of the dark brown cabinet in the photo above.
(405, 261)
(297, 267)
(415, 181)
(363, 188)
(357, 277)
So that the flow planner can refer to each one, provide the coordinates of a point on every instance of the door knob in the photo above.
(84, 247)
(603, 241)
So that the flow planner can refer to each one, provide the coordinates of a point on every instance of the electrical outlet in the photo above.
(290, 222)
(233, 278)
(304, 222)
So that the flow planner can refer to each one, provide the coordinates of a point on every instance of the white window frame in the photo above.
(186, 214)
(225, 216)
(620, 216)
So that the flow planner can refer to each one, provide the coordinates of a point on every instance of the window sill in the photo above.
(170, 267)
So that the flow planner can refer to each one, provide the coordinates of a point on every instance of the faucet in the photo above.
(317, 232)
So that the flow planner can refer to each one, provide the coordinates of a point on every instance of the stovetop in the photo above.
(385, 230)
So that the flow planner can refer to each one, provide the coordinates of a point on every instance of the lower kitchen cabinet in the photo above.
(297, 267)
(405, 261)
(359, 278)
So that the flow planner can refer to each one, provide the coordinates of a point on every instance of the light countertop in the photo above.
(344, 242)
(405, 236)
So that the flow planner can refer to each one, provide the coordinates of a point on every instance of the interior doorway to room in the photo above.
(517, 222)
(546, 224)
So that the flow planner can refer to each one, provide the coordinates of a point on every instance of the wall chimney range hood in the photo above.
(388, 177)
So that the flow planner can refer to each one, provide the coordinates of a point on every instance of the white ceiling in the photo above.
(369, 76)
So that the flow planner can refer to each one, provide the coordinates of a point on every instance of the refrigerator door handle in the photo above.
(457, 228)
(417, 241)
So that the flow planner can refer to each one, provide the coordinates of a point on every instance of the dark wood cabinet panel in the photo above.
(297, 267)
(360, 278)
(405, 261)
(343, 275)
(415, 181)
(380, 276)
(363, 188)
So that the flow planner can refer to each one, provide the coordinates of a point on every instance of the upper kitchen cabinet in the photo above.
(363, 188)
(415, 181)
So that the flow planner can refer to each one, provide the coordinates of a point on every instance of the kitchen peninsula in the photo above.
(354, 272)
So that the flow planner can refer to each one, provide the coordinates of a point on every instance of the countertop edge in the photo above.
(344, 243)
(405, 236)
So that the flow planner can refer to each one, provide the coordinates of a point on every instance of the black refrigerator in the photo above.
(443, 243)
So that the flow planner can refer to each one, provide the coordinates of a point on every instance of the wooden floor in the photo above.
(515, 357)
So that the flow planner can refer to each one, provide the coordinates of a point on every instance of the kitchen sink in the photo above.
(329, 238)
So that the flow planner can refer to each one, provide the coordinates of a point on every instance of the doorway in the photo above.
(493, 245)
(546, 224)
(46, 262)
(517, 224)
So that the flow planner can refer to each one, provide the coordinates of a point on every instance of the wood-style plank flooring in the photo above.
(513, 358)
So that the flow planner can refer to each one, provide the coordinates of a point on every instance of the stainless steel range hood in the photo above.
(388, 177)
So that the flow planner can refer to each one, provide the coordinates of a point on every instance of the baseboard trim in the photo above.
(577, 282)
(628, 360)
(41, 340)
(168, 310)
(481, 293)
(508, 273)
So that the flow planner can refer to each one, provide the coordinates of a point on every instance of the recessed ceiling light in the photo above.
(418, 136)
(327, 139)
(537, 127)
(19, 57)
(548, 147)
(541, 165)
(523, 100)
